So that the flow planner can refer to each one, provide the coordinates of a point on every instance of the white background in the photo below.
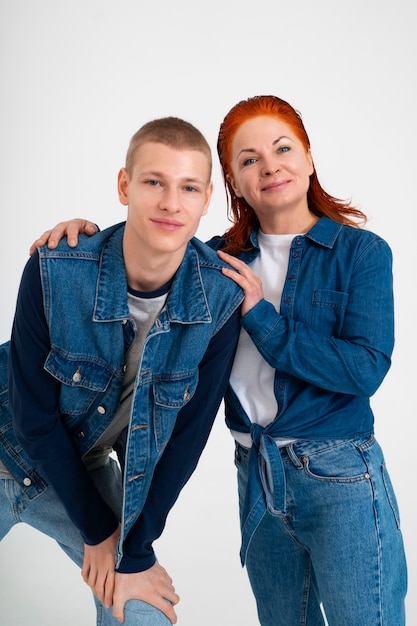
(77, 80)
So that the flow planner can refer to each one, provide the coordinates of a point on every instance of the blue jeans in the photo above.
(46, 513)
(339, 543)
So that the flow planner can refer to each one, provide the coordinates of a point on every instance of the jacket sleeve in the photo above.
(34, 403)
(356, 360)
(181, 455)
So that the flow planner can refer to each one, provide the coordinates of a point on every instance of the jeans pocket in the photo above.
(390, 494)
(241, 454)
(339, 462)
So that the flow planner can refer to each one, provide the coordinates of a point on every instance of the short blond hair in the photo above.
(170, 131)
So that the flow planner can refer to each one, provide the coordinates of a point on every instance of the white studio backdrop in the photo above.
(77, 80)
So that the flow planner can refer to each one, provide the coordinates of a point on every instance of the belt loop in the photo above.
(293, 457)
(271, 470)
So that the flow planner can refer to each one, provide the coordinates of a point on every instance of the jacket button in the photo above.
(101, 410)
(27, 481)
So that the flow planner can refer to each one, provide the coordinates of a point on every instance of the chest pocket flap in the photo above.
(79, 371)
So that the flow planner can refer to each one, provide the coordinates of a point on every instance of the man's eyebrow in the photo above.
(159, 174)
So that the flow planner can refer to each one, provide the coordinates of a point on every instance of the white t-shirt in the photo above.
(252, 378)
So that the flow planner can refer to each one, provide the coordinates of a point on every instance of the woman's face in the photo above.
(270, 169)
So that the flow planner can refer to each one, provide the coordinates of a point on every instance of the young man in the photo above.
(136, 361)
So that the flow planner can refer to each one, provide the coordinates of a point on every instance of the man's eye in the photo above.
(190, 188)
(153, 183)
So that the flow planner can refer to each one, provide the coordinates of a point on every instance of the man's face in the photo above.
(167, 192)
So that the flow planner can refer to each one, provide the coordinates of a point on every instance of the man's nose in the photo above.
(169, 200)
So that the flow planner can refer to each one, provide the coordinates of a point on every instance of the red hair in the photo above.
(240, 212)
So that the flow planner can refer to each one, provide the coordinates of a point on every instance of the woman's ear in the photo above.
(310, 162)
(233, 185)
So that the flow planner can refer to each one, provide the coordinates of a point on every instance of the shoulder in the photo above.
(342, 237)
(209, 260)
(86, 245)
(217, 242)
(363, 238)
(219, 286)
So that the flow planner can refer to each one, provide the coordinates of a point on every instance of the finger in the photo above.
(109, 590)
(91, 228)
(232, 260)
(74, 228)
(39, 242)
(60, 230)
(234, 275)
(168, 610)
(90, 578)
(239, 265)
(85, 572)
(118, 613)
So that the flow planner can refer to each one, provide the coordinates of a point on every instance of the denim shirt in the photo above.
(330, 345)
(85, 304)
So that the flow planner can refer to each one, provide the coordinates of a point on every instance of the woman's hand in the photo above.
(70, 228)
(245, 278)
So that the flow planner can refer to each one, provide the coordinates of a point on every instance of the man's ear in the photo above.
(209, 194)
(122, 186)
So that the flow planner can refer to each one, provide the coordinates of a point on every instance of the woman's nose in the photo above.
(270, 167)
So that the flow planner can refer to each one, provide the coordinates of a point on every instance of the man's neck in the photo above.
(146, 272)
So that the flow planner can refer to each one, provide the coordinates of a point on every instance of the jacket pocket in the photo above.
(170, 396)
(328, 310)
(82, 378)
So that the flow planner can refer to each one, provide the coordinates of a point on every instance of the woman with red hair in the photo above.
(319, 518)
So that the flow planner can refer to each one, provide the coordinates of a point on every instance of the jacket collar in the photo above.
(186, 301)
(324, 233)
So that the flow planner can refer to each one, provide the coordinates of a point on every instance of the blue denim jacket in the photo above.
(85, 304)
(330, 346)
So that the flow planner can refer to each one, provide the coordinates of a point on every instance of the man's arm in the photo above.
(181, 455)
(34, 402)
(179, 460)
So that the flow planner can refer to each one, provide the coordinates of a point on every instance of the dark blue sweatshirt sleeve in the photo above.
(34, 402)
(189, 437)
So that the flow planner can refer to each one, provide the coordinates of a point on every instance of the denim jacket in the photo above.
(85, 304)
(330, 345)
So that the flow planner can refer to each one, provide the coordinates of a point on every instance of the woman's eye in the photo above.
(248, 161)
(284, 149)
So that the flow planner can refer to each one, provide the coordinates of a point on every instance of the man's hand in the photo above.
(70, 228)
(153, 586)
(98, 568)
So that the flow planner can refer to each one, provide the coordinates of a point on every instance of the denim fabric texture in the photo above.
(18, 507)
(330, 346)
(335, 540)
(319, 519)
(87, 356)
